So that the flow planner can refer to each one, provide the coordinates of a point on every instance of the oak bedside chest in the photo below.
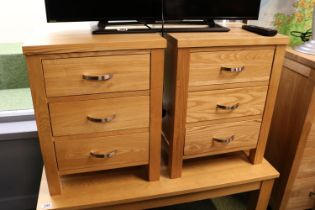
(219, 93)
(97, 100)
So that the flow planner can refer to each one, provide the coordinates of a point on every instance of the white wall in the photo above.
(18, 18)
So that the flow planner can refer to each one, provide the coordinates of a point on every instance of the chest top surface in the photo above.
(235, 37)
(54, 40)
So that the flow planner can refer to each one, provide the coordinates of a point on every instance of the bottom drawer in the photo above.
(221, 138)
(103, 152)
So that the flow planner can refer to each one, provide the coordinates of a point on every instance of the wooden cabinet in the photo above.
(97, 100)
(219, 93)
(291, 144)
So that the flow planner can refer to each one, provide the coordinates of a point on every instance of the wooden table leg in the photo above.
(259, 199)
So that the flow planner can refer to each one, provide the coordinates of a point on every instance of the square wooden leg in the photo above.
(259, 199)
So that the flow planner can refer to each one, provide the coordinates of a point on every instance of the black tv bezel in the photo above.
(142, 20)
(216, 18)
(150, 19)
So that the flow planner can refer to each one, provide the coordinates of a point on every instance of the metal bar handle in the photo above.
(233, 69)
(103, 155)
(101, 120)
(104, 77)
(224, 141)
(233, 107)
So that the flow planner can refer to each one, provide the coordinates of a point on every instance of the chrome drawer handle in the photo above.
(103, 155)
(233, 69)
(101, 120)
(224, 141)
(233, 107)
(104, 77)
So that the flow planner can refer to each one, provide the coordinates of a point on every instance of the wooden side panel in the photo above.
(156, 92)
(202, 106)
(302, 178)
(205, 67)
(289, 115)
(64, 76)
(175, 101)
(257, 155)
(36, 79)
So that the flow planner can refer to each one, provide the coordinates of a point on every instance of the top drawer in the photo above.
(230, 66)
(102, 74)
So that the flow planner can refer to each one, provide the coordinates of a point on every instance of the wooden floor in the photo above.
(127, 189)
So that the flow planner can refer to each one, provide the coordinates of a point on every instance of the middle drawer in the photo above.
(225, 104)
(91, 116)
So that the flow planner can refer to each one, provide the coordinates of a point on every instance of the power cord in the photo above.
(305, 36)
(163, 19)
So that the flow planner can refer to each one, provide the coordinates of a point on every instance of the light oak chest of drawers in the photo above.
(97, 100)
(219, 93)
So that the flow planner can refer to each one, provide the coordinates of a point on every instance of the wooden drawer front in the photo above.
(243, 136)
(205, 67)
(126, 150)
(202, 106)
(63, 77)
(69, 118)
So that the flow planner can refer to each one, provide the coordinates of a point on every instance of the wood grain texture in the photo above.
(202, 106)
(291, 142)
(301, 179)
(63, 77)
(199, 140)
(236, 37)
(68, 118)
(81, 40)
(178, 134)
(228, 86)
(43, 122)
(287, 123)
(305, 59)
(98, 96)
(131, 149)
(156, 90)
(197, 180)
(205, 67)
(257, 154)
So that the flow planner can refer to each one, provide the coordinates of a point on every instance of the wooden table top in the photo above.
(306, 59)
(127, 185)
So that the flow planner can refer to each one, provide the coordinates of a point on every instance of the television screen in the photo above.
(96, 10)
(211, 9)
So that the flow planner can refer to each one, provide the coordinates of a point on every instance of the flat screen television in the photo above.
(211, 9)
(98, 10)
(150, 11)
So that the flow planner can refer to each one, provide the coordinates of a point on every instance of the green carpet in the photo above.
(13, 71)
(14, 91)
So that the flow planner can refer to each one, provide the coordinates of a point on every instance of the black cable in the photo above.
(162, 18)
(305, 36)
